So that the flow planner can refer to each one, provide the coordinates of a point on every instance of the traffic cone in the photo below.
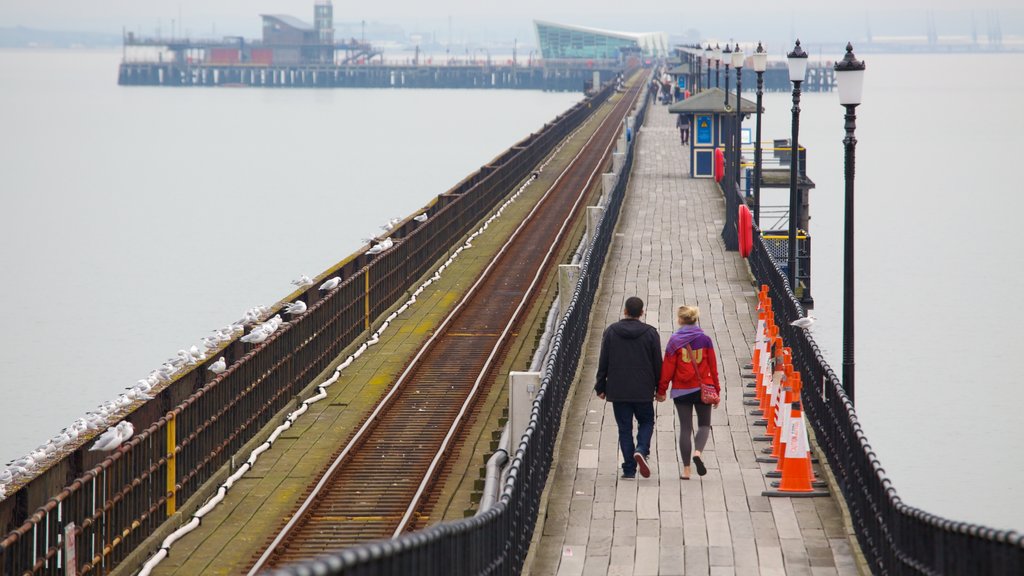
(771, 382)
(797, 475)
(757, 379)
(781, 453)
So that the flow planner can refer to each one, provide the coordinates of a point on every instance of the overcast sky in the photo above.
(480, 19)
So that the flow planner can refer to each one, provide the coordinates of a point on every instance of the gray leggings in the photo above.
(685, 411)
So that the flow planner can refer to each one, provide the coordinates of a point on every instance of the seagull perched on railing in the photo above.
(804, 323)
(303, 281)
(257, 335)
(390, 224)
(421, 218)
(297, 307)
(113, 437)
(219, 366)
(331, 284)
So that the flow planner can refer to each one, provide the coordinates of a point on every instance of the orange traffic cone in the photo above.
(797, 475)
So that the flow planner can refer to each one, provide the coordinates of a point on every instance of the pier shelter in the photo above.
(710, 119)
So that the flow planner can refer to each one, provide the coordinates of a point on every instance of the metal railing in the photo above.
(497, 540)
(103, 506)
(896, 538)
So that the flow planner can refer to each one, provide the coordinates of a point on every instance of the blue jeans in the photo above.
(624, 414)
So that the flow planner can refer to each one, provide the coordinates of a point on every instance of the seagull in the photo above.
(297, 307)
(387, 243)
(137, 394)
(804, 323)
(331, 284)
(303, 281)
(377, 249)
(219, 366)
(196, 353)
(256, 336)
(113, 437)
(6, 476)
(391, 223)
(421, 218)
(186, 358)
(17, 471)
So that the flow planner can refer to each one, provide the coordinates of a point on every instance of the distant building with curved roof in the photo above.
(563, 41)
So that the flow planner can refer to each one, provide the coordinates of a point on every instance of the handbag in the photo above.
(708, 393)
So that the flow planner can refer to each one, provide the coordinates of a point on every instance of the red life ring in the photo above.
(745, 229)
(719, 164)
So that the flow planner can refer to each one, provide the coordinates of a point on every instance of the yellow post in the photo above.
(172, 473)
(366, 299)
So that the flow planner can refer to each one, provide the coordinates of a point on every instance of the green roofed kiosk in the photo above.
(707, 129)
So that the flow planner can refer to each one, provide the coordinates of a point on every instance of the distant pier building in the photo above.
(566, 42)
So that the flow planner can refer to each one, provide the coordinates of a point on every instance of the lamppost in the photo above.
(760, 59)
(708, 57)
(850, 76)
(797, 62)
(717, 55)
(697, 76)
(727, 188)
(737, 65)
(727, 58)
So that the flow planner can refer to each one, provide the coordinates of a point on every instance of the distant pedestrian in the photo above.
(683, 123)
(690, 363)
(627, 376)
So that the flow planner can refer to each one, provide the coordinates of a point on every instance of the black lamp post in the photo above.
(726, 121)
(708, 57)
(727, 58)
(797, 62)
(760, 59)
(717, 55)
(850, 76)
(737, 63)
(697, 76)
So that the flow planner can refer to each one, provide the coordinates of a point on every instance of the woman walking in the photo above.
(689, 364)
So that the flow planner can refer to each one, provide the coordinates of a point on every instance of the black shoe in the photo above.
(699, 464)
(626, 476)
(641, 464)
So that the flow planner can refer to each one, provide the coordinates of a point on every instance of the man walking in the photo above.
(627, 376)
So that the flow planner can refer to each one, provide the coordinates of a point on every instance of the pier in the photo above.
(568, 78)
(667, 252)
(502, 460)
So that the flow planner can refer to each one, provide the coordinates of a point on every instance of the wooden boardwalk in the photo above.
(668, 251)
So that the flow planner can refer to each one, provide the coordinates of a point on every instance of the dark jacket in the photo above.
(630, 363)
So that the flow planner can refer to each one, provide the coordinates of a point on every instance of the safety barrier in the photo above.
(90, 510)
(896, 538)
(497, 540)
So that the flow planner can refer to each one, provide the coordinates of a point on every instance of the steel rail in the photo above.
(385, 403)
(527, 297)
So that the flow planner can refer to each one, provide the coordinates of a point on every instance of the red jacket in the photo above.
(677, 369)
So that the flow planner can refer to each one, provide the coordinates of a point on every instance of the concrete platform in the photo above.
(668, 251)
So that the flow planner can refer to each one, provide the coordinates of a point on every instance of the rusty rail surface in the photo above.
(378, 484)
(103, 506)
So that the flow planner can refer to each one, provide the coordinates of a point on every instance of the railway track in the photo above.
(378, 484)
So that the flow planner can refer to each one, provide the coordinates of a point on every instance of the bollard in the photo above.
(522, 390)
(608, 182)
(567, 275)
(594, 216)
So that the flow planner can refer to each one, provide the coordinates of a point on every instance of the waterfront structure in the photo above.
(711, 128)
(288, 40)
(567, 42)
